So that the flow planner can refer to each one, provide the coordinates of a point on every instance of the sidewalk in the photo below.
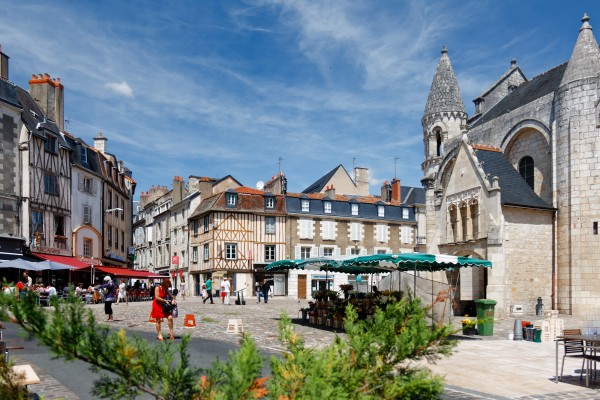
(481, 367)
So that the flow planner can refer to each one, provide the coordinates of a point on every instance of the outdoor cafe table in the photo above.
(591, 342)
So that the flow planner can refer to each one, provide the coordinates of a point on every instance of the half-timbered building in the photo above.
(46, 163)
(235, 233)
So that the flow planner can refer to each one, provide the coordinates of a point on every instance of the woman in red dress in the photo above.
(162, 295)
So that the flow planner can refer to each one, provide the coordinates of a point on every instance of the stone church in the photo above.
(517, 183)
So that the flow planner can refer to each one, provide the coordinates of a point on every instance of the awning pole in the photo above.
(415, 280)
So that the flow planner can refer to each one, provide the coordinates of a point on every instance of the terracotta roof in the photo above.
(485, 147)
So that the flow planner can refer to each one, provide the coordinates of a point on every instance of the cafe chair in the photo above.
(573, 348)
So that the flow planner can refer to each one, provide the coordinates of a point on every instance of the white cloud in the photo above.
(120, 88)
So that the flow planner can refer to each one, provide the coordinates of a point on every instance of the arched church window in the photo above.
(526, 170)
(438, 138)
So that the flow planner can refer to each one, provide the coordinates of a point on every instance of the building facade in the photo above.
(337, 225)
(234, 234)
(516, 183)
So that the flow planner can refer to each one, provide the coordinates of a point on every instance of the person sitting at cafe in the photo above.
(51, 290)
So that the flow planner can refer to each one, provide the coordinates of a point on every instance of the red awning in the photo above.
(129, 273)
(63, 260)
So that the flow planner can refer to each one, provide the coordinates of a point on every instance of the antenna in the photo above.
(354, 168)
(67, 122)
(279, 160)
(395, 159)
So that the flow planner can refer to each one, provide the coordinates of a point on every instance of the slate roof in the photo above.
(444, 94)
(319, 185)
(514, 190)
(249, 200)
(540, 86)
(8, 93)
(412, 195)
(92, 164)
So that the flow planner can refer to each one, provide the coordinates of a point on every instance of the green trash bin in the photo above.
(485, 316)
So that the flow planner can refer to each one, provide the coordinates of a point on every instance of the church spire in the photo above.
(585, 59)
(444, 94)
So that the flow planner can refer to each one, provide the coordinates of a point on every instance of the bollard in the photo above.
(518, 330)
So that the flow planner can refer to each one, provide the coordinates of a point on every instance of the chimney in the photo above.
(386, 188)
(396, 194)
(178, 189)
(361, 180)
(3, 64)
(100, 143)
(330, 192)
(49, 94)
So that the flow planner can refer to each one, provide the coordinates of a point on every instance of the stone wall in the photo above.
(528, 253)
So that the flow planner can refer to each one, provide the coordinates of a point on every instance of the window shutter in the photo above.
(81, 179)
(297, 254)
(336, 251)
(321, 251)
(313, 252)
(94, 189)
(363, 252)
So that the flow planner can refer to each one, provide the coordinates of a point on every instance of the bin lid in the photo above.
(486, 301)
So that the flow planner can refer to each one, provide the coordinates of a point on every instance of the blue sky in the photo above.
(215, 88)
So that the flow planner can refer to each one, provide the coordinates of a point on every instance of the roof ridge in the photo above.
(486, 147)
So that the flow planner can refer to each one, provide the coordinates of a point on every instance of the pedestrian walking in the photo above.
(182, 289)
(162, 308)
(227, 291)
(122, 292)
(109, 296)
(258, 291)
(265, 291)
(222, 292)
(208, 284)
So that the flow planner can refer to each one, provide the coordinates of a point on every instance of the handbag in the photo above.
(167, 308)
(175, 312)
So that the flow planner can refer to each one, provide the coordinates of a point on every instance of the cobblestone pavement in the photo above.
(489, 367)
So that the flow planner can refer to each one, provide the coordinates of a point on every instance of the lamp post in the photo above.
(112, 210)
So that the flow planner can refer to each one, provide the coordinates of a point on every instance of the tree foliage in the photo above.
(376, 360)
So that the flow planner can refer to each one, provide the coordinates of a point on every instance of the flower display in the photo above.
(467, 322)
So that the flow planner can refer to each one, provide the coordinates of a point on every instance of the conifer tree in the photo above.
(376, 360)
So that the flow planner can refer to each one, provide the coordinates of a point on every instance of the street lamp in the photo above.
(112, 209)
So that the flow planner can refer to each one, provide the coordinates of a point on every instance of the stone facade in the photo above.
(537, 219)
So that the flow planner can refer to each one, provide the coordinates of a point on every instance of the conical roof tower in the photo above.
(585, 59)
(444, 94)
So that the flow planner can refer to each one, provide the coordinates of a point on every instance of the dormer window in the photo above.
(327, 207)
(305, 206)
(354, 209)
(84, 154)
(404, 212)
(381, 211)
(50, 144)
(269, 202)
(231, 199)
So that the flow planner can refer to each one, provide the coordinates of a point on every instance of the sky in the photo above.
(251, 88)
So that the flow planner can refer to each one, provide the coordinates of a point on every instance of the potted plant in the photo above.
(468, 325)
(346, 288)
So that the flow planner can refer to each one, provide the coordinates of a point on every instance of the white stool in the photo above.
(235, 326)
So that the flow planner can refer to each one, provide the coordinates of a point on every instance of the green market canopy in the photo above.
(378, 263)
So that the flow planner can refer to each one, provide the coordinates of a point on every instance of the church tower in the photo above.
(443, 122)
(577, 142)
